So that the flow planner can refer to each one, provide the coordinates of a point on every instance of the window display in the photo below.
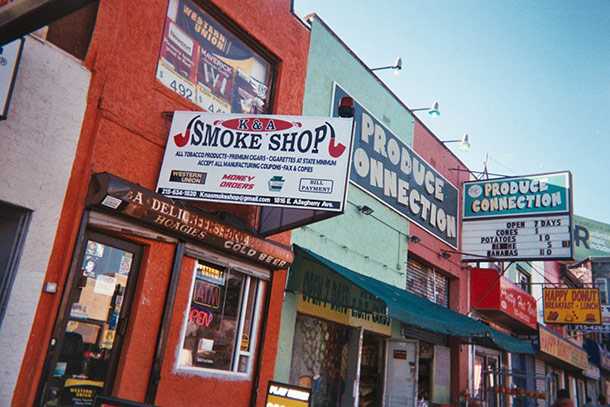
(220, 319)
(210, 66)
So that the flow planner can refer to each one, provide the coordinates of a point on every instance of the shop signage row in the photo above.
(286, 161)
(572, 306)
(392, 172)
(493, 293)
(561, 349)
(176, 218)
(518, 218)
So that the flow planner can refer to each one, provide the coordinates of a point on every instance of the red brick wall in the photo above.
(124, 133)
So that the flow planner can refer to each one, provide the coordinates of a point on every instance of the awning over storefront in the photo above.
(401, 305)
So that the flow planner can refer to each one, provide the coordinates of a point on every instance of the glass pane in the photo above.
(86, 348)
(213, 319)
(211, 67)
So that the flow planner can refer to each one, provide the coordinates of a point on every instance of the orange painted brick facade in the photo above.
(124, 133)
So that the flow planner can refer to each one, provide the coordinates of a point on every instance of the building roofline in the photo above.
(310, 16)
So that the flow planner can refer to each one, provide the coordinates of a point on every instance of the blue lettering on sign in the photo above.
(387, 168)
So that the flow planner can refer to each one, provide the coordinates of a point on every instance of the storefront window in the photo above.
(602, 284)
(220, 320)
(207, 64)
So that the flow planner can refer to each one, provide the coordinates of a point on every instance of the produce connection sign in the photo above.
(287, 161)
(386, 168)
(519, 218)
(572, 306)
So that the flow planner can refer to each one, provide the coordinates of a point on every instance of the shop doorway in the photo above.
(401, 374)
(371, 371)
(86, 343)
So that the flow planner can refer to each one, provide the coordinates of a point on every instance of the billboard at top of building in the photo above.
(208, 64)
(518, 218)
(392, 172)
(266, 160)
(591, 238)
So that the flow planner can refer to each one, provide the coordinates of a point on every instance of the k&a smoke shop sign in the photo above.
(286, 161)
(389, 170)
(518, 218)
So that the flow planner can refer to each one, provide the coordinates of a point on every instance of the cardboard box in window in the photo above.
(94, 304)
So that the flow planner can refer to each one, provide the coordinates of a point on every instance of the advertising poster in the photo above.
(591, 238)
(207, 64)
(518, 218)
(285, 161)
(572, 306)
(392, 172)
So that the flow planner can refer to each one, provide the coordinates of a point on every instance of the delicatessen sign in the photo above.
(572, 306)
(520, 218)
(176, 218)
(391, 171)
(285, 161)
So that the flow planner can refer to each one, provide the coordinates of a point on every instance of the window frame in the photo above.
(521, 272)
(7, 276)
(254, 331)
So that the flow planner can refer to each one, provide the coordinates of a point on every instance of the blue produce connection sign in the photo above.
(388, 169)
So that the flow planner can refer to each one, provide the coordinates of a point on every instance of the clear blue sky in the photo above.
(529, 81)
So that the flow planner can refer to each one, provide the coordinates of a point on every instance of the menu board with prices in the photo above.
(524, 238)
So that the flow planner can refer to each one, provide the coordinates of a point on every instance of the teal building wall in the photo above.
(374, 245)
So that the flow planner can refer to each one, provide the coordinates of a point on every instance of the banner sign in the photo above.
(572, 306)
(287, 395)
(391, 171)
(519, 218)
(176, 218)
(285, 161)
(210, 66)
(10, 55)
(561, 349)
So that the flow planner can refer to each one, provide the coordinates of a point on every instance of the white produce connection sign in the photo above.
(267, 160)
(519, 218)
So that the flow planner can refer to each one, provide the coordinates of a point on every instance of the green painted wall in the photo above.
(374, 245)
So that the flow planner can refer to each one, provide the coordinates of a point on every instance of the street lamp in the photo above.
(433, 111)
(464, 142)
(397, 66)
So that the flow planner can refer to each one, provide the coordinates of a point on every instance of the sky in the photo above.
(529, 81)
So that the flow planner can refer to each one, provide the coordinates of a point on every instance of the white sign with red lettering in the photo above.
(266, 160)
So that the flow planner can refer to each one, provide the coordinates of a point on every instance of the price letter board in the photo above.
(518, 218)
